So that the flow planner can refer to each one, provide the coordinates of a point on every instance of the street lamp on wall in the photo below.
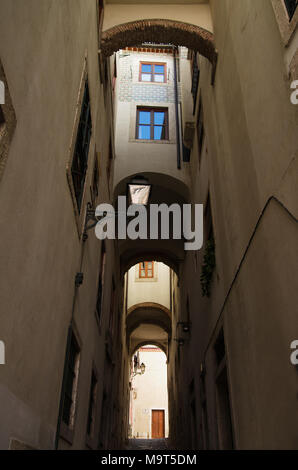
(139, 370)
(139, 190)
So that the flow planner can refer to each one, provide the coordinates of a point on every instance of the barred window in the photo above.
(80, 158)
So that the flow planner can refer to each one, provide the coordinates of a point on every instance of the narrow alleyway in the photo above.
(148, 221)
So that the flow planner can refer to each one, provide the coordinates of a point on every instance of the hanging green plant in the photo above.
(208, 267)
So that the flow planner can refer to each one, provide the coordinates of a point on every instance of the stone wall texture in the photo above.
(131, 89)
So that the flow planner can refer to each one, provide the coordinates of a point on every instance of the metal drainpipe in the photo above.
(177, 111)
(67, 354)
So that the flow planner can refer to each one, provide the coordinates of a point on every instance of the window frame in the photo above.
(7, 124)
(288, 8)
(91, 417)
(80, 157)
(195, 79)
(146, 270)
(79, 215)
(152, 74)
(152, 109)
(67, 427)
(287, 25)
(94, 189)
(200, 130)
(100, 285)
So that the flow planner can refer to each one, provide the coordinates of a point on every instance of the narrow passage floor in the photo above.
(148, 444)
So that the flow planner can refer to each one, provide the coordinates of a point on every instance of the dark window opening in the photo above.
(224, 416)
(80, 158)
(72, 371)
(204, 417)
(95, 181)
(224, 421)
(187, 309)
(100, 11)
(200, 130)
(195, 79)
(100, 287)
(2, 118)
(92, 403)
(152, 124)
(209, 259)
(110, 161)
(219, 347)
(208, 229)
(291, 6)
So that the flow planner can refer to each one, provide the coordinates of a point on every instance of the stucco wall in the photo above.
(155, 290)
(194, 14)
(135, 155)
(40, 249)
(249, 155)
(151, 393)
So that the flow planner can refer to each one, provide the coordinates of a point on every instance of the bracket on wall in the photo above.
(79, 279)
(90, 216)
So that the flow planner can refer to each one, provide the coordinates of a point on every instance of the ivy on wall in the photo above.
(208, 267)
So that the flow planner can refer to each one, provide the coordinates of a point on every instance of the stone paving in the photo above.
(148, 444)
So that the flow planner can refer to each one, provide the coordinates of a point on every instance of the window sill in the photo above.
(154, 83)
(146, 279)
(146, 141)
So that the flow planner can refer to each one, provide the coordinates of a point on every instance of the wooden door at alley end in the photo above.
(158, 424)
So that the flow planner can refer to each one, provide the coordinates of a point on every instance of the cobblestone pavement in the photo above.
(148, 444)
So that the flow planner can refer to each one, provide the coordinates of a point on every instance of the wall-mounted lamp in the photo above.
(139, 190)
(139, 370)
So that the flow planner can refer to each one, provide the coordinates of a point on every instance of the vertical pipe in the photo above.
(177, 111)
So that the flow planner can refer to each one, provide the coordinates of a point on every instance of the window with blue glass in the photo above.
(152, 124)
(153, 72)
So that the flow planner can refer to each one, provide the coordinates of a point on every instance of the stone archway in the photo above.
(172, 32)
(148, 313)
